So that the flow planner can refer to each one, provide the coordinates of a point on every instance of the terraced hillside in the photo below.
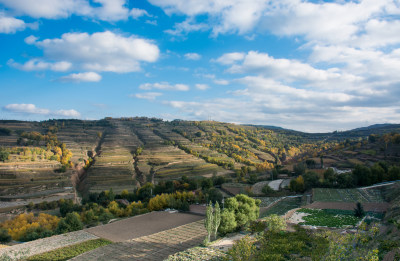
(128, 152)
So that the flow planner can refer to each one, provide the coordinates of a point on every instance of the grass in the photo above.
(331, 218)
(69, 252)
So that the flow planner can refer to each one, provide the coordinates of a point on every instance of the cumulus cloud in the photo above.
(50, 9)
(32, 109)
(202, 87)
(192, 56)
(106, 10)
(230, 58)
(104, 51)
(82, 77)
(10, 25)
(37, 65)
(135, 13)
(164, 86)
(151, 96)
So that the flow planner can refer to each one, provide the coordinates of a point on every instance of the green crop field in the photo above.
(347, 195)
(283, 206)
(328, 218)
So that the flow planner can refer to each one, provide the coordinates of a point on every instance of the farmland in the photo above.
(282, 206)
(328, 218)
(348, 195)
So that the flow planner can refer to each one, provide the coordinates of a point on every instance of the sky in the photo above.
(308, 65)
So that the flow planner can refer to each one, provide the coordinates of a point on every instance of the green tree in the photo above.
(208, 222)
(70, 223)
(216, 219)
(3, 154)
(4, 236)
(228, 221)
(359, 210)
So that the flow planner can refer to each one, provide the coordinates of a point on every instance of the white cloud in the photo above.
(31, 39)
(111, 10)
(189, 25)
(50, 9)
(164, 86)
(32, 109)
(82, 77)
(135, 13)
(151, 96)
(202, 86)
(10, 25)
(192, 56)
(221, 82)
(38, 65)
(106, 10)
(230, 58)
(104, 51)
(67, 113)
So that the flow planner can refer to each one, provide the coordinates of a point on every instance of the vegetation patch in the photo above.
(197, 253)
(69, 252)
(328, 218)
(283, 206)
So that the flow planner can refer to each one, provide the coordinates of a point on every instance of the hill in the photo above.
(125, 153)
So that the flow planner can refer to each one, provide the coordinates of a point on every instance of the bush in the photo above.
(267, 190)
(4, 236)
(70, 223)
(243, 249)
(239, 211)
(275, 223)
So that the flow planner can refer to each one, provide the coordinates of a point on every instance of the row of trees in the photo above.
(360, 176)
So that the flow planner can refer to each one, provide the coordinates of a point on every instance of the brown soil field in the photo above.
(142, 225)
(369, 206)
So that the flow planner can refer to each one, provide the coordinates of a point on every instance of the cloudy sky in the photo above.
(309, 65)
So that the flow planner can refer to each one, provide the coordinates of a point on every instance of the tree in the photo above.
(297, 185)
(299, 169)
(3, 154)
(214, 195)
(239, 211)
(228, 222)
(216, 219)
(208, 222)
(4, 236)
(359, 210)
(70, 223)
(311, 180)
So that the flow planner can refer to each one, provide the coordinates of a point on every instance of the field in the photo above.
(69, 252)
(142, 225)
(328, 218)
(348, 195)
(283, 206)
(153, 247)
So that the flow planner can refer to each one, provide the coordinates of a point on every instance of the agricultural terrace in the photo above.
(348, 195)
(153, 247)
(281, 206)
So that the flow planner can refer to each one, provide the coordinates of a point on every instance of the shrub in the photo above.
(4, 236)
(243, 249)
(275, 223)
(70, 223)
(359, 210)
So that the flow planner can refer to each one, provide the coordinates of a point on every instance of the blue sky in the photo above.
(306, 65)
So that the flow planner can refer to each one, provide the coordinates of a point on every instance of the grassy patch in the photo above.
(369, 152)
(197, 253)
(299, 245)
(69, 252)
(328, 218)
(282, 207)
